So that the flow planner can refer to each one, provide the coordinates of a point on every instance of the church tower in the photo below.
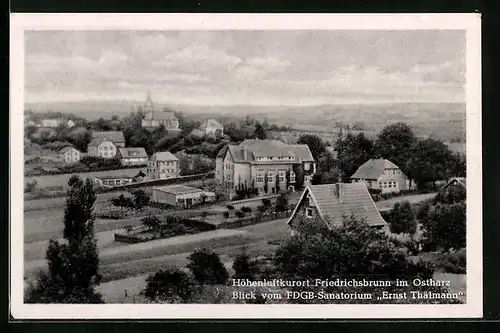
(148, 107)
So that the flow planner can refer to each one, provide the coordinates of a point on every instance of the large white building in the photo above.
(253, 163)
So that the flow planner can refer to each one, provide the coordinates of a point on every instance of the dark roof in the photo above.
(334, 201)
(133, 152)
(163, 156)
(114, 136)
(373, 169)
(222, 152)
(164, 115)
(456, 181)
(249, 150)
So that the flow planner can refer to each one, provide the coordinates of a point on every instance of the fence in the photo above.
(168, 181)
(246, 221)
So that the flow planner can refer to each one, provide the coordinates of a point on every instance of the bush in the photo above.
(239, 214)
(122, 201)
(170, 285)
(207, 268)
(226, 215)
(266, 203)
(281, 204)
(30, 186)
(246, 209)
(244, 267)
(141, 199)
(402, 219)
(454, 262)
(113, 215)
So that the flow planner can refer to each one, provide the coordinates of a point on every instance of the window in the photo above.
(307, 166)
(282, 175)
(309, 212)
(259, 177)
(270, 176)
(292, 177)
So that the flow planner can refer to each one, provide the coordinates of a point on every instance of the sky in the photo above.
(246, 67)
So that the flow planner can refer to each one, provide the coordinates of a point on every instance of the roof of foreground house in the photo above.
(133, 152)
(249, 150)
(163, 156)
(178, 189)
(373, 168)
(336, 201)
(456, 181)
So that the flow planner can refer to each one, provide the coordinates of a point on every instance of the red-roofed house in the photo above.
(381, 174)
(331, 203)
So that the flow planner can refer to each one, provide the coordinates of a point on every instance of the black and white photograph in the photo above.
(277, 170)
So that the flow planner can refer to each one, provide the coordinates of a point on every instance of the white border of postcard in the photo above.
(468, 22)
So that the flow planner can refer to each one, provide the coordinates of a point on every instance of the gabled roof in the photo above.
(133, 152)
(373, 169)
(210, 123)
(334, 201)
(456, 181)
(97, 141)
(222, 152)
(67, 148)
(250, 150)
(163, 156)
(114, 136)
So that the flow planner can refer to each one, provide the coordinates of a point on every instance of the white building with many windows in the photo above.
(162, 165)
(381, 174)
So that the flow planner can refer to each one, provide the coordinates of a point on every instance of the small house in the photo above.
(381, 174)
(70, 123)
(133, 156)
(331, 203)
(163, 165)
(180, 195)
(106, 144)
(70, 155)
(212, 127)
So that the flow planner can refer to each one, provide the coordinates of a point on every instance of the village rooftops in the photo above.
(163, 156)
(113, 136)
(259, 151)
(163, 115)
(336, 201)
(133, 152)
(178, 189)
(373, 169)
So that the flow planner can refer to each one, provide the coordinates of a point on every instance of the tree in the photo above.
(429, 161)
(170, 285)
(266, 183)
(207, 268)
(299, 176)
(353, 151)
(225, 214)
(260, 132)
(153, 223)
(444, 226)
(141, 199)
(402, 219)
(395, 143)
(351, 250)
(315, 144)
(244, 267)
(287, 179)
(73, 270)
(277, 183)
(281, 204)
(128, 228)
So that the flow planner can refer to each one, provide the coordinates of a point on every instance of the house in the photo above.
(253, 162)
(381, 174)
(332, 202)
(180, 195)
(456, 182)
(51, 123)
(212, 127)
(106, 144)
(70, 155)
(133, 156)
(163, 165)
(70, 123)
(114, 180)
(154, 118)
